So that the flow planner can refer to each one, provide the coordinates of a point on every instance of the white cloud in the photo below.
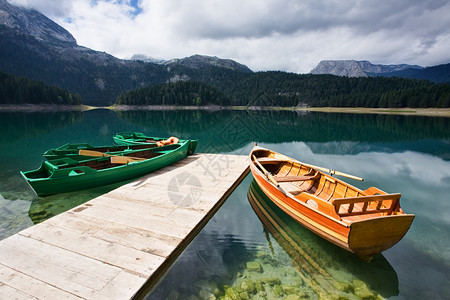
(288, 35)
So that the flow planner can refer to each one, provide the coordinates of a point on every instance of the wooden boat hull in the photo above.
(67, 175)
(137, 138)
(364, 237)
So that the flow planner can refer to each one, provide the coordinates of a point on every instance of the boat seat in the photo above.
(296, 178)
(269, 160)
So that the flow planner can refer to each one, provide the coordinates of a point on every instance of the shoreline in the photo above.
(430, 112)
(44, 107)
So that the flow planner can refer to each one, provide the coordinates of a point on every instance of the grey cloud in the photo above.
(290, 35)
(50, 8)
(288, 17)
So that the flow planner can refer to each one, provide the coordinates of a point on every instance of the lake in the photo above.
(262, 253)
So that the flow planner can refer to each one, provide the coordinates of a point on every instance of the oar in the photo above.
(101, 154)
(333, 172)
(268, 175)
(123, 159)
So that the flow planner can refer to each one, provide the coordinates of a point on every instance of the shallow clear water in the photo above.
(241, 251)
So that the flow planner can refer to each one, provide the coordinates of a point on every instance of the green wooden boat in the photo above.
(67, 174)
(138, 138)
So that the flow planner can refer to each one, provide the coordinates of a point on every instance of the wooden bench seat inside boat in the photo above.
(291, 178)
(271, 160)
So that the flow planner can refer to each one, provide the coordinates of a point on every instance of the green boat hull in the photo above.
(137, 138)
(67, 175)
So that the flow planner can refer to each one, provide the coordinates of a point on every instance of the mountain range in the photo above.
(353, 68)
(33, 46)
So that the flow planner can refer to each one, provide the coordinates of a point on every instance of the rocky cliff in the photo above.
(353, 68)
(202, 61)
(35, 24)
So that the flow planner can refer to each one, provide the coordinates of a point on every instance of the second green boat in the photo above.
(138, 138)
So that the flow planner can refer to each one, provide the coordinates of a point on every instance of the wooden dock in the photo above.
(118, 245)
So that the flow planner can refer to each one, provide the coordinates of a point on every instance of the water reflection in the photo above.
(324, 268)
(226, 131)
(20, 125)
(404, 154)
(13, 216)
(43, 208)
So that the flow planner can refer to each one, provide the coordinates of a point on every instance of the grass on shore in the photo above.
(438, 112)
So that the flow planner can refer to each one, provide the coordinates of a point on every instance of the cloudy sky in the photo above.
(287, 35)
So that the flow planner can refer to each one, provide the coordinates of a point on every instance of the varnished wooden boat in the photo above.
(363, 222)
(67, 174)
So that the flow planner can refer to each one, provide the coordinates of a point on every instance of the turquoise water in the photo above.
(240, 252)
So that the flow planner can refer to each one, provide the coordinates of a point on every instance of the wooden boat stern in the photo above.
(372, 236)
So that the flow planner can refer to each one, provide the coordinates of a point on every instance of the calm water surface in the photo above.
(250, 248)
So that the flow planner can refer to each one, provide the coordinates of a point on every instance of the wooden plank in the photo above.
(26, 287)
(153, 223)
(70, 272)
(113, 254)
(132, 205)
(123, 286)
(140, 239)
(8, 292)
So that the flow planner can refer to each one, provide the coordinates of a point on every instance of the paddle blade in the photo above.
(92, 153)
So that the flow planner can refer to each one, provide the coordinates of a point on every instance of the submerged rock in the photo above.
(277, 291)
(206, 295)
(231, 294)
(207, 286)
(254, 266)
(343, 286)
(259, 286)
(173, 295)
(292, 297)
(248, 286)
(290, 289)
(271, 281)
(362, 290)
